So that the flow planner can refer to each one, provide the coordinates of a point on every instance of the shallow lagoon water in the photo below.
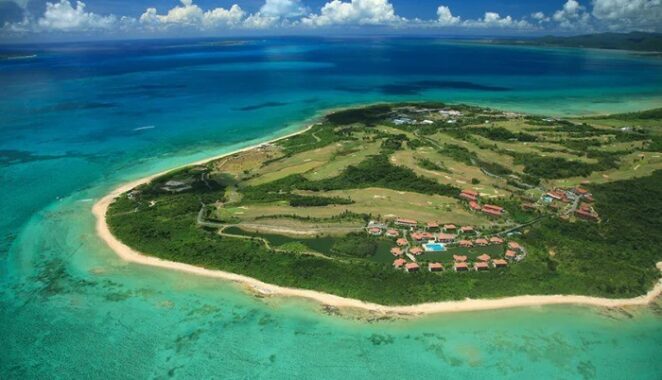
(78, 120)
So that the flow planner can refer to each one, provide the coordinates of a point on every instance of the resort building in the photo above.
(461, 267)
(459, 259)
(435, 267)
(469, 195)
(392, 233)
(427, 235)
(446, 238)
(375, 231)
(511, 255)
(416, 251)
(411, 223)
(514, 246)
(500, 263)
(586, 215)
(481, 242)
(433, 225)
(411, 267)
(580, 191)
(496, 240)
(399, 263)
(529, 207)
(492, 210)
(484, 257)
(450, 227)
(417, 236)
(396, 251)
(465, 243)
(401, 242)
(467, 230)
(481, 266)
(474, 206)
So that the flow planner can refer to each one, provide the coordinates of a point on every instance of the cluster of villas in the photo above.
(411, 242)
(474, 204)
(577, 199)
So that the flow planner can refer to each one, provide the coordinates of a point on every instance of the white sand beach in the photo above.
(127, 253)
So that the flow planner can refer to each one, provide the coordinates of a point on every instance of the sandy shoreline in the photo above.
(128, 254)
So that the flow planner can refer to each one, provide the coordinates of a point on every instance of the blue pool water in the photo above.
(434, 247)
(80, 119)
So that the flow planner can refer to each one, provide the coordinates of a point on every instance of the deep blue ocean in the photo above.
(79, 119)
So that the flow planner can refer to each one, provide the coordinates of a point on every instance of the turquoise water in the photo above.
(436, 247)
(81, 119)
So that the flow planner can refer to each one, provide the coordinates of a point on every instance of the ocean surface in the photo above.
(77, 120)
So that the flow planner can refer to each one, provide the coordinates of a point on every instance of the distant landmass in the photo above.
(635, 41)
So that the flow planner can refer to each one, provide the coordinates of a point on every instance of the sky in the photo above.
(92, 19)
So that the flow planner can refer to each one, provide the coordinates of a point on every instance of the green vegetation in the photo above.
(377, 171)
(416, 170)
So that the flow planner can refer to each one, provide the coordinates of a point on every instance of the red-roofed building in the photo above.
(492, 210)
(416, 251)
(481, 266)
(435, 267)
(529, 206)
(427, 235)
(446, 238)
(469, 195)
(481, 242)
(510, 255)
(587, 215)
(416, 236)
(496, 240)
(375, 231)
(461, 267)
(500, 263)
(467, 229)
(392, 233)
(459, 258)
(406, 222)
(580, 191)
(474, 206)
(399, 263)
(450, 227)
(401, 242)
(514, 246)
(433, 225)
(396, 251)
(465, 243)
(494, 207)
(412, 267)
(484, 257)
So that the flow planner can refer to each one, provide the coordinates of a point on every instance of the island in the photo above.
(394, 205)
(645, 42)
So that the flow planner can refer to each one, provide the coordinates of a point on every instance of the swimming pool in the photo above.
(434, 247)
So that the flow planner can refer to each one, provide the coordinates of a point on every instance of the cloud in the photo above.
(540, 17)
(191, 15)
(355, 12)
(72, 16)
(572, 16)
(494, 20)
(629, 14)
(445, 17)
(283, 8)
(63, 16)
(490, 20)
(275, 13)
